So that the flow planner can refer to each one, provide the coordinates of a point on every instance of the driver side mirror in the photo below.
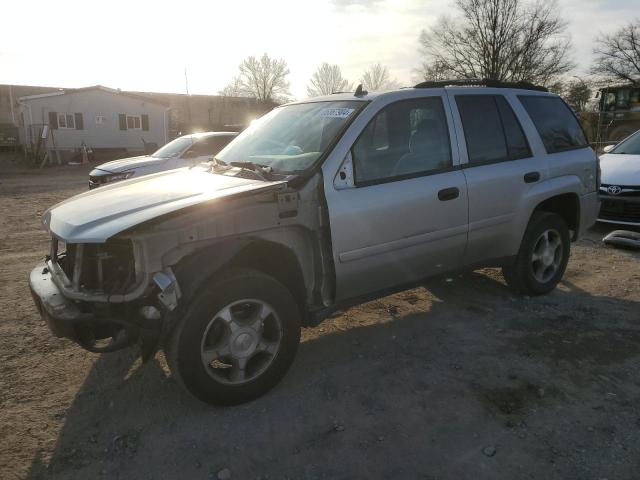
(608, 148)
(344, 178)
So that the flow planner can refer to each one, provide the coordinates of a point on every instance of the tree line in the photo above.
(265, 79)
(506, 40)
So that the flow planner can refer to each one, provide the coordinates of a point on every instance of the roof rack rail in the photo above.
(484, 82)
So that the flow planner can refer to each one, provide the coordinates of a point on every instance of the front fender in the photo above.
(197, 267)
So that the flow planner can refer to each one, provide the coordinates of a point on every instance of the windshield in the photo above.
(290, 138)
(173, 148)
(631, 146)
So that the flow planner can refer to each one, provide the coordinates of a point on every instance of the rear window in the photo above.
(557, 125)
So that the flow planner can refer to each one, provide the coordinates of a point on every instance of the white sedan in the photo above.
(620, 188)
(184, 151)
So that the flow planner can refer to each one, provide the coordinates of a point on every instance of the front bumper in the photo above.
(65, 318)
(620, 210)
(61, 314)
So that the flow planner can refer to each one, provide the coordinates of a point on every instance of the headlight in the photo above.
(116, 177)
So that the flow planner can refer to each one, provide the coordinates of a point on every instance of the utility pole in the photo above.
(186, 85)
(13, 117)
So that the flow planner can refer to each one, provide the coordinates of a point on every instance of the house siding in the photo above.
(91, 103)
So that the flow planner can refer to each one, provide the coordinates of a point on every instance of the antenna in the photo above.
(360, 92)
(186, 80)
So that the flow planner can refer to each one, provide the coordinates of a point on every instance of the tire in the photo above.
(225, 327)
(531, 275)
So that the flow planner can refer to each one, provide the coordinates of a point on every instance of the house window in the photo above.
(134, 122)
(99, 119)
(66, 120)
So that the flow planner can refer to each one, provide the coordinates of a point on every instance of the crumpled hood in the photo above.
(620, 169)
(96, 215)
(126, 164)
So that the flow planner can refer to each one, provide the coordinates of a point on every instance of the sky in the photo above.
(147, 45)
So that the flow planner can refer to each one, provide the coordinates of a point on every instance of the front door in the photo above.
(405, 215)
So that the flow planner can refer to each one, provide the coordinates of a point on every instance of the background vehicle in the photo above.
(184, 151)
(620, 188)
(317, 206)
(619, 112)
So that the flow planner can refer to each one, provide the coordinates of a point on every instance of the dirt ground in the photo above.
(457, 379)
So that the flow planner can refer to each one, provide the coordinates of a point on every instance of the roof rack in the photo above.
(484, 82)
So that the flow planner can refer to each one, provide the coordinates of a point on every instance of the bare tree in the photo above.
(234, 89)
(433, 72)
(327, 79)
(264, 79)
(377, 77)
(577, 94)
(500, 40)
(618, 55)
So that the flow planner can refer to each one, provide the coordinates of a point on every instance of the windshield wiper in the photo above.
(259, 170)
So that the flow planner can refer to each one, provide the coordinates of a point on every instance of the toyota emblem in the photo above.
(614, 190)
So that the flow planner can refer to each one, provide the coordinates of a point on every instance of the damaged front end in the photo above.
(99, 296)
(126, 260)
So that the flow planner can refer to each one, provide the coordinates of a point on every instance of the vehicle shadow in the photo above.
(456, 379)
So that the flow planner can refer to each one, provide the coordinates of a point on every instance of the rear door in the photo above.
(404, 216)
(499, 166)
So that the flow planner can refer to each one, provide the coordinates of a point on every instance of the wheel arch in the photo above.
(278, 261)
(567, 206)
(290, 263)
(557, 195)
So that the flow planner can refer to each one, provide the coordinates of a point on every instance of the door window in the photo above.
(482, 129)
(208, 146)
(407, 138)
(517, 145)
(491, 129)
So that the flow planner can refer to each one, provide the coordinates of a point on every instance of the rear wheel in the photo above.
(237, 340)
(543, 255)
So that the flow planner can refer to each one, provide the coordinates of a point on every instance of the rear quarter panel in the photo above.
(571, 171)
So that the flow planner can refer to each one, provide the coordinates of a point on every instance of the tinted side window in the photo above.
(209, 146)
(516, 141)
(555, 122)
(213, 145)
(406, 138)
(482, 128)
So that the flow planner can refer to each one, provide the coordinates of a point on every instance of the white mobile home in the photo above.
(98, 117)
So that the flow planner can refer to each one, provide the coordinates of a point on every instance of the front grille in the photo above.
(106, 267)
(619, 210)
(625, 190)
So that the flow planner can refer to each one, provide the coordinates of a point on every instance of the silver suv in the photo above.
(318, 205)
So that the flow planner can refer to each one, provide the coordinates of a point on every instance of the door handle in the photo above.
(531, 177)
(448, 193)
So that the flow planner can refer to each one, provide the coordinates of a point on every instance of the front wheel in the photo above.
(543, 255)
(237, 340)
